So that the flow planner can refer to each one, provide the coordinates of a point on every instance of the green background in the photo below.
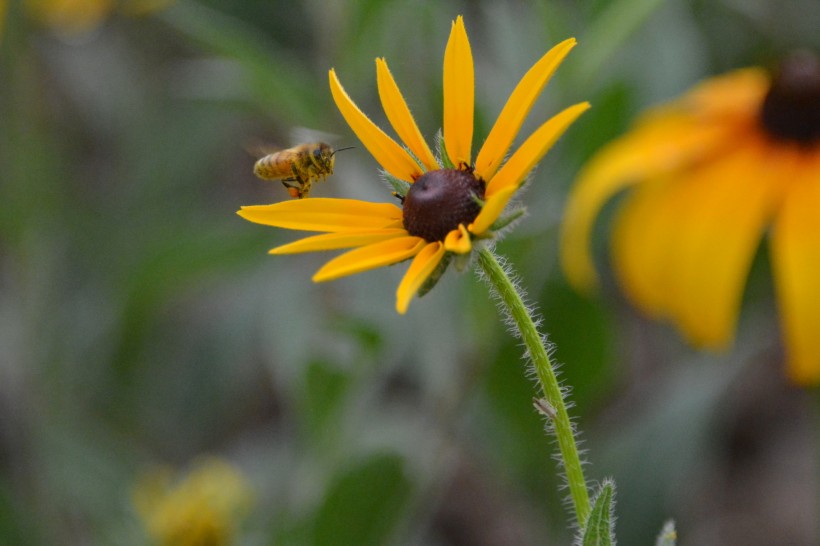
(141, 321)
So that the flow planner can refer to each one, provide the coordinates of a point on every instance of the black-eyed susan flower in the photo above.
(447, 202)
(204, 508)
(712, 172)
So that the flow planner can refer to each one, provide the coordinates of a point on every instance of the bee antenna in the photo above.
(342, 149)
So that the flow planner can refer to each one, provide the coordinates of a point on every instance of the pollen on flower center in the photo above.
(441, 200)
(791, 110)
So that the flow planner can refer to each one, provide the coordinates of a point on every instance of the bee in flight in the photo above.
(298, 167)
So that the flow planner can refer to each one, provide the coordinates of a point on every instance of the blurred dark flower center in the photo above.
(441, 200)
(791, 109)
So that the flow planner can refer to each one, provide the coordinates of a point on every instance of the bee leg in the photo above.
(293, 187)
(297, 174)
(302, 182)
(297, 186)
(291, 183)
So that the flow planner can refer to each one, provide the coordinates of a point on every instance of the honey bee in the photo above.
(298, 167)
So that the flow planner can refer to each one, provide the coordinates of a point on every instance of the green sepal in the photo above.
(508, 218)
(462, 261)
(599, 527)
(400, 187)
(435, 275)
(416, 159)
(442, 152)
(668, 535)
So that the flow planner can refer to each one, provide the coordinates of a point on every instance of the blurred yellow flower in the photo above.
(448, 202)
(70, 16)
(202, 509)
(80, 16)
(712, 171)
(4, 6)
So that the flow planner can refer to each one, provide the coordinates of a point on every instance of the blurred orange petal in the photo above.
(71, 16)
(663, 143)
(796, 262)
(730, 203)
(644, 236)
(737, 95)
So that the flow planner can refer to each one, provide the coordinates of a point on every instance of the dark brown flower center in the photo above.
(441, 200)
(791, 109)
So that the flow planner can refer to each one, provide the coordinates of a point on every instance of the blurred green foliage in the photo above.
(141, 320)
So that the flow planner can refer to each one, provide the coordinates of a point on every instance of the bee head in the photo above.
(329, 154)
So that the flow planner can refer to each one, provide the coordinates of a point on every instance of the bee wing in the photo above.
(304, 134)
(259, 149)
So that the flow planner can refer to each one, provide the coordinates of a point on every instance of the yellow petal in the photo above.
(392, 157)
(644, 238)
(492, 210)
(420, 270)
(514, 171)
(370, 257)
(325, 214)
(730, 203)
(458, 240)
(344, 239)
(682, 247)
(459, 95)
(516, 109)
(736, 94)
(400, 117)
(796, 263)
(662, 143)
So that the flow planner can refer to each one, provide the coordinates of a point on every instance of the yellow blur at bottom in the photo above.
(201, 508)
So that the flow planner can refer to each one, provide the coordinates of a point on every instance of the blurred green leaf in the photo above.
(608, 32)
(16, 527)
(521, 446)
(582, 333)
(31, 192)
(275, 79)
(611, 113)
(368, 336)
(167, 269)
(364, 503)
(325, 386)
(653, 455)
